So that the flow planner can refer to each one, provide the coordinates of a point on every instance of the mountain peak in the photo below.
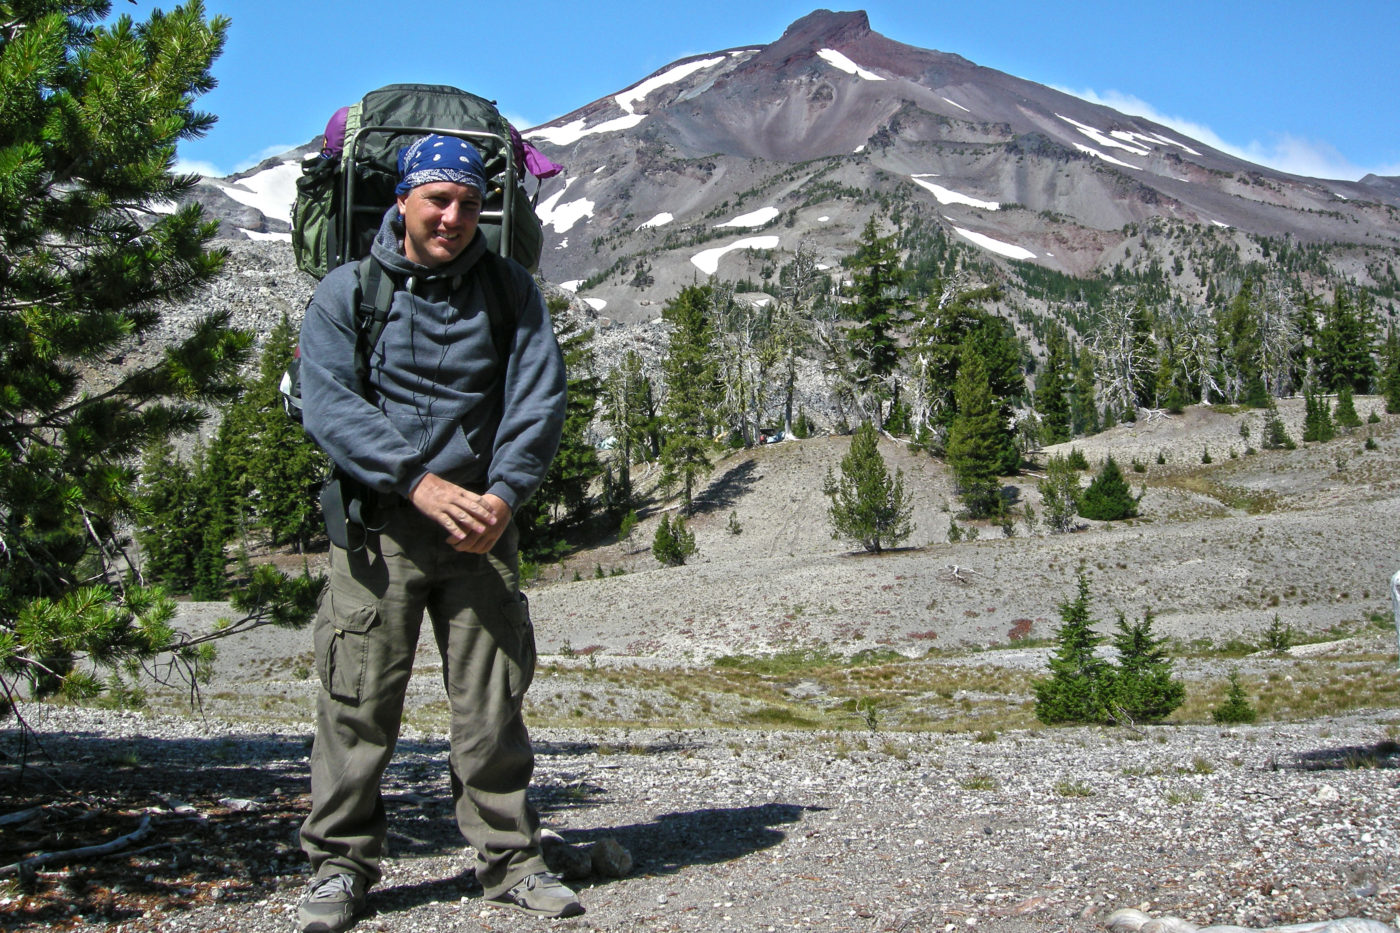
(825, 29)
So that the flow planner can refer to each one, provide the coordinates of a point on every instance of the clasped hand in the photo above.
(474, 523)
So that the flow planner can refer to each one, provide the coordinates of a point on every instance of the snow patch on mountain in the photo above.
(1010, 250)
(563, 215)
(948, 196)
(1107, 158)
(836, 60)
(753, 219)
(708, 261)
(660, 220)
(956, 104)
(1102, 138)
(270, 191)
(572, 132)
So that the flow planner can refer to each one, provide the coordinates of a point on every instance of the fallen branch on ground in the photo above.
(44, 858)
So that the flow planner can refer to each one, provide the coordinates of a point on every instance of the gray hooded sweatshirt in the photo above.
(433, 406)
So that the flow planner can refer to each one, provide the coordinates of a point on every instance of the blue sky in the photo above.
(1302, 86)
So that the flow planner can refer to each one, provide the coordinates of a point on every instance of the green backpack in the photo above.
(341, 197)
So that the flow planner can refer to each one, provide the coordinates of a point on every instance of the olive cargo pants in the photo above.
(366, 635)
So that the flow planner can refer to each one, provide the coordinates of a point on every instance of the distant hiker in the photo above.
(447, 435)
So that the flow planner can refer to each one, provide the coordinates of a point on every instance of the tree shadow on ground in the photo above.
(724, 491)
(224, 813)
(1384, 754)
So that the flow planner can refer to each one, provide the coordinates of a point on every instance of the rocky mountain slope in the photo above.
(723, 164)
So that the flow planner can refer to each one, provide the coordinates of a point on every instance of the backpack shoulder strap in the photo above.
(374, 294)
(502, 301)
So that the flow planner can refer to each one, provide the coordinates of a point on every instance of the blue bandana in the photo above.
(440, 158)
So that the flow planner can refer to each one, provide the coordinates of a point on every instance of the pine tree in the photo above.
(562, 501)
(1317, 419)
(674, 543)
(868, 505)
(1083, 406)
(1235, 708)
(276, 469)
(1052, 399)
(1079, 688)
(1108, 497)
(1345, 416)
(951, 326)
(873, 340)
(687, 415)
(1275, 433)
(1343, 348)
(170, 534)
(1143, 687)
(977, 441)
(1390, 379)
(89, 120)
(1059, 495)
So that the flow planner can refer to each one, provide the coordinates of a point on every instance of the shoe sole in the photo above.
(572, 910)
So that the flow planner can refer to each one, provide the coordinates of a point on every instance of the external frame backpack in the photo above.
(343, 192)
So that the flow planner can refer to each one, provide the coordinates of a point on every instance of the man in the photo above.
(449, 439)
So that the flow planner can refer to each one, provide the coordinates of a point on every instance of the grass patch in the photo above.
(1068, 788)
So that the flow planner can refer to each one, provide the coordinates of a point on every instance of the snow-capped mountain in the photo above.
(721, 164)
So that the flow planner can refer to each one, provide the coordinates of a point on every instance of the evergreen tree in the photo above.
(1390, 380)
(1052, 390)
(89, 120)
(873, 340)
(1275, 434)
(171, 534)
(1059, 495)
(218, 516)
(1317, 419)
(562, 500)
(951, 326)
(1079, 687)
(868, 505)
(977, 441)
(1143, 687)
(691, 396)
(1235, 708)
(1108, 497)
(1239, 342)
(1344, 343)
(1345, 416)
(1083, 406)
(630, 410)
(275, 468)
(674, 543)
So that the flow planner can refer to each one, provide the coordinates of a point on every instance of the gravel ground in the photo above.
(729, 830)
(829, 831)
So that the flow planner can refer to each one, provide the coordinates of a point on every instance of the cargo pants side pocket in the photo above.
(519, 645)
(342, 639)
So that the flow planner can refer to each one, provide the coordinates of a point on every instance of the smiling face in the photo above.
(439, 220)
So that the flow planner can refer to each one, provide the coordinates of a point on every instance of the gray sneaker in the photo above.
(331, 904)
(540, 895)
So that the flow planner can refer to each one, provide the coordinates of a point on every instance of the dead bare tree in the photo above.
(1124, 358)
(1277, 322)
